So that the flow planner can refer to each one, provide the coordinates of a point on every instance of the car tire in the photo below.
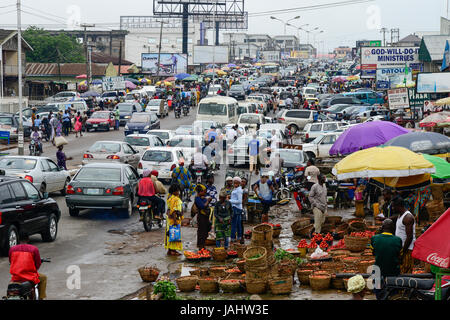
(74, 212)
(51, 231)
(129, 209)
(43, 187)
(63, 191)
(9, 241)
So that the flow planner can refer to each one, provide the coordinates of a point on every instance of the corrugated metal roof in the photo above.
(436, 46)
(67, 69)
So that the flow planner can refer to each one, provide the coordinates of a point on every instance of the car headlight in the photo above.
(146, 127)
(127, 117)
(126, 127)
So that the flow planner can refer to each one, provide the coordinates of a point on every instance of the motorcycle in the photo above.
(45, 134)
(34, 149)
(177, 112)
(411, 288)
(185, 110)
(147, 215)
(289, 182)
(23, 290)
(199, 173)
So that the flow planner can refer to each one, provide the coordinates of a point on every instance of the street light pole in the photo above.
(86, 52)
(19, 65)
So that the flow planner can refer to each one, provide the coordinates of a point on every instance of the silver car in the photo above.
(41, 171)
(143, 142)
(112, 151)
(154, 105)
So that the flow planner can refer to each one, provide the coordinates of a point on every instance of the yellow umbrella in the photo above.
(168, 84)
(221, 73)
(158, 83)
(442, 102)
(399, 183)
(382, 162)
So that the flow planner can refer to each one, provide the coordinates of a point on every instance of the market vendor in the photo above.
(357, 286)
(318, 199)
(222, 213)
(228, 187)
(264, 190)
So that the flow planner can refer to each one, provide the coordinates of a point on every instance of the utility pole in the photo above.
(19, 65)
(215, 41)
(120, 59)
(384, 31)
(86, 52)
(159, 48)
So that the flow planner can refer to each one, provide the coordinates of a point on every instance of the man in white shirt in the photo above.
(200, 160)
(275, 141)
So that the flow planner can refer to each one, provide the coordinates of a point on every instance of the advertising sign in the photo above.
(433, 82)
(388, 78)
(368, 73)
(207, 54)
(113, 83)
(388, 57)
(270, 56)
(368, 43)
(170, 63)
(303, 54)
(398, 98)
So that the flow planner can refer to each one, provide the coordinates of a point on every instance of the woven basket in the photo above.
(200, 272)
(335, 266)
(262, 232)
(258, 262)
(327, 228)
(351, 262)
(281, 285)
(303, 276)
(357, 226)
(286, 267)
(300, 224)
(338, 252)
(268, 244)
(337, 283)
(256, 286)
(187, 284)
(305, 231)
(355, 244)
(210, 242)
(219, 254)
(342, 227)
(276, 233)
(320, 283)
(239, 248)
(334, 220)
(208, 285)
(241, 265)
(218, 272)
(257, 273)
(309, 265)
(354, 219)
(364, 264)
(148, 274)
(230, 287)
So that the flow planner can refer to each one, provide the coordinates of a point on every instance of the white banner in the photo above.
(398, 98)
(210, 54)
(433, 82)
(113, 83)
(389, 57)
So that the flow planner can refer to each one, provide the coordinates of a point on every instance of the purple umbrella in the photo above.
(130, 85)
(366, 135)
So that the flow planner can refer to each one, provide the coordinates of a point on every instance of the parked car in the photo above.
(10, 122)
(237, 92)
(368, 97)
(111, 151)
(142, 122)
(320, 147)
(343, 100)
(64, 96)
(42, 172)
(184, 130)
(246, 107)
(313, 130)
(187, 145)
(101, 120)
(96, 186)
(162, 159)
(113, 95)
(126, 110)
(238, 153)
(262, 106)
(293, 158)
(75, 106)
(25, 210)
(201, 126)
(142, 142)
(154, 105)
(27, 112)
(164, 135)
(251, 120)
(298, 119)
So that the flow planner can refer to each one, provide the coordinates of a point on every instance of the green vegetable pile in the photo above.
(281, 254)
(167, 288)
(255, 257)
(301, 261)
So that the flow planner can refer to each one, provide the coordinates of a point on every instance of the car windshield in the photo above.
(162, 135)
(142, 118)
(317, 140)
(237, 88)
(157, 156)
(154, 102)
(98, 174)
(64, 95)
(100, 115)
(137, 141)
(291, 156)
(110, 147)
(213, 109)
(6, 121)
(125, 107)
(252, 119)
(109, 94)
(18, 163)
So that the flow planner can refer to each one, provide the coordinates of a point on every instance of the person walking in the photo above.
(203, 211)
(116, 119)
(53, 123)
(183, 177)
(236, 202)
(84, 119)
(318, 199)
(253, 146)
(78, 125)
(61, 157)
(66, 122)
(223, 212)
(311, 173)
(174, 217)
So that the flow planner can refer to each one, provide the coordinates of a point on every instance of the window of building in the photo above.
(151, 40)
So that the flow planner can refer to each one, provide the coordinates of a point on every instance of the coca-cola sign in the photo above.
(435, 259)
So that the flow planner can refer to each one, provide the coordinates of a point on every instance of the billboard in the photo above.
(433, 82)
(113, 83)
(303, 54)
(270, 56)
(170, 63)
(388, 78)
(398, 98)
(389, 57)
(368, 43)
(210, 54)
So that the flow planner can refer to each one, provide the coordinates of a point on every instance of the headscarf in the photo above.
(356, 284)
(200, 187)
(154, 173)
(146, 173)
(237, 179)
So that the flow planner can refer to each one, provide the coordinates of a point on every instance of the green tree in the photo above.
(51, 49)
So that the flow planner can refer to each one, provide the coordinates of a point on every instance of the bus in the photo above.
(270, 68)
(221, 109)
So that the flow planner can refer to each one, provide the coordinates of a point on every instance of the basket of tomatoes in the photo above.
(204, 254)
(192, 256)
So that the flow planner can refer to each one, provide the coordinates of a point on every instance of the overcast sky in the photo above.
(341, 25)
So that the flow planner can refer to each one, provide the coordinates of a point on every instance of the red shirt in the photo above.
(146, 187)
(25, 261)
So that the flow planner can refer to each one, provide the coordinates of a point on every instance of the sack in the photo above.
(60, 140)
(175, 233)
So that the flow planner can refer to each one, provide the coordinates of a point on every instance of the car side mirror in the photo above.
(45, 195)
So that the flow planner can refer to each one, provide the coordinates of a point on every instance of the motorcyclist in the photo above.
(200, 162)
(25, 261)
(36, 136)
(147, 190)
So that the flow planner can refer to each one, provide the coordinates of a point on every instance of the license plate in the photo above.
(93, 191)
(143, 208)
(136, 132)
(95, 125)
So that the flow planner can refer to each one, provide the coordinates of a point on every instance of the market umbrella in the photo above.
(366, 135)
(90, 94)
(193, 77)
(134, 81)
(442, 102)
(339, 80)
(433, 246)
(210, 66)
(441, 165)
(145, 81)
(97, 81)
(81, 76)
(182, 76)
(130, 85)
(231, 65)
(403, 183)
(423, 142)
(435, 119)
(382, 162)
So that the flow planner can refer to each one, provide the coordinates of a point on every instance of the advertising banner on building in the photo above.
(270, 56)
(433, 82)
(398, 98)
(302, 54)
(113, 83)
(170, 63)
(389, 57)
(390, 78)
(210, 54)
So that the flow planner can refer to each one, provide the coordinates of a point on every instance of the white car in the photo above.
(262, 105)
(41, 171)
(162, 159)
(164, 135)
(186, 144)
(142, 142)
(251, 120)
(153, 106)
(320, 147)
(313, 130)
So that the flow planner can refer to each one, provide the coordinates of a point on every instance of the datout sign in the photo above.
(398, 98)
(388, 57)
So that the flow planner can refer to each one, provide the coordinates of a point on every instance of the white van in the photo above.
(309, 91)
(221, 109)
(80, 106)
(150, 90)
